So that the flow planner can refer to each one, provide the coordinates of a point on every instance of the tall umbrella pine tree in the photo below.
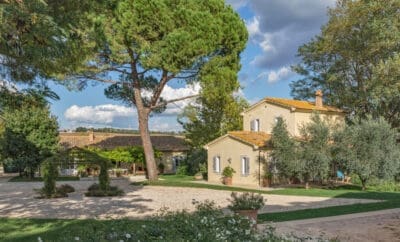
(150, 43)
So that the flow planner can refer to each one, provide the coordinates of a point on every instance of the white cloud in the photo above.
(125, 117)
(253, 27)
(100, 114)
(170, 93)
(282, 73)
(236, 4)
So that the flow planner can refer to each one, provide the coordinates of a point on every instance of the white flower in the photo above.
(76, 238)
(247, 231)
(228, 232)
(39, 239)
(128, 236)
(143, 226)
(121, 240)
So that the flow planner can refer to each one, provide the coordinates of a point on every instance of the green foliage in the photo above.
(283, 152)
(195, 159)
(131, 154)
(314, 152)
(30, 135)
(104, 179)
(206, 223)
(212, 117)
(246, 201)
(228, 171)
(43, 39)
(49, 173)
(161, 167)
(369, 149)
(182, 170)
(355, 60)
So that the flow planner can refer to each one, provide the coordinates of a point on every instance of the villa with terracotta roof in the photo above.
(247, 151)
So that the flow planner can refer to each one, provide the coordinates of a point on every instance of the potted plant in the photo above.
(227, 175)
(246, 204)
(267, 179)
(118, 172)
(198, 176)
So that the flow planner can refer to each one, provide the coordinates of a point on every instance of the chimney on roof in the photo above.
(318, 98)
(91, 135)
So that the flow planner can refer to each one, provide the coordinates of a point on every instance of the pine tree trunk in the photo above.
(143, 118)
(151, 168)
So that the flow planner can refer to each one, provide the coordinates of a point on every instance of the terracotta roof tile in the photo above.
(259, 139)
(304, 105)
(113, 140)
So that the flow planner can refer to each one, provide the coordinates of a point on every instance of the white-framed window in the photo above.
(245, 163)
(217, 164)
(255, 125)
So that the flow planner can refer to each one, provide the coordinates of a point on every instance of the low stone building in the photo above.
(173, 148)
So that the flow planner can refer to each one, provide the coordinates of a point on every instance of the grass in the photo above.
(328, 211)
(389, 199)
(40, 179)
(21, 230)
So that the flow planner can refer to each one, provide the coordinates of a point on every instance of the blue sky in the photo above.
(276, 29)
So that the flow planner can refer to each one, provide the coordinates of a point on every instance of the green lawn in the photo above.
(390, 199)
(22, 230)
(40, 179)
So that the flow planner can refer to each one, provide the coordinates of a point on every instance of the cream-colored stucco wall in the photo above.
(302, 118)
(231, 149)
(267, 113)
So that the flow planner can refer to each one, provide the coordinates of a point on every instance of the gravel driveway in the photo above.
(17, 200)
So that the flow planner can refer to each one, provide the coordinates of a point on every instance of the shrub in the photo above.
(246, 201)
(182, 170)
(385, 186)
(95, 191)
(195, 159)
(50, 173)
(228, 171)
(82, 171)
(161, 167)
(104, 179)
(66, 188)
(204, 171)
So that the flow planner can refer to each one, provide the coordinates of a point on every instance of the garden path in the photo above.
(381, 225)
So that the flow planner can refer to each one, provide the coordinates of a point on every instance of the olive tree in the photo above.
(313, 151)
(369, 148)
(283, 152)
